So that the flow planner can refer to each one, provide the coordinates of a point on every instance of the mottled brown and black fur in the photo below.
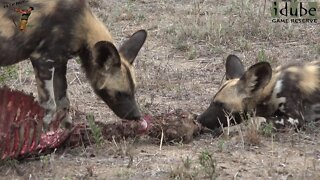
(289, 95)
(58, 30)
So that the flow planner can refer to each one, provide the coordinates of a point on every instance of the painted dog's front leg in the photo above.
(44, 73)
(60, 93)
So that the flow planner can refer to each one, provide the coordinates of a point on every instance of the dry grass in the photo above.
(181, 66)
(202, 168)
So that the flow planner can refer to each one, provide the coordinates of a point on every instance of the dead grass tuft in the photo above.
(203, 168)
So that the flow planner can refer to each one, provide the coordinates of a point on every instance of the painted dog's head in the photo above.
(238, 94)
(112, 75)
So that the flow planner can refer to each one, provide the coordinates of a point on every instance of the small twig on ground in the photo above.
(235, 176)
(114, 142)
(240, 131)
(161, 140)
(80, 82)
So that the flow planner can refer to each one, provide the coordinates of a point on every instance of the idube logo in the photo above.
(294, 12)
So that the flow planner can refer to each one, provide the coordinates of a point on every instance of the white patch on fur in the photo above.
(280, 122)
(49, 60)
(293, 121)
(276, 101)
(278, 87)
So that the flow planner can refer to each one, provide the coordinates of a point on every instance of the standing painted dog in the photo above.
(58, 30)
(290, 95)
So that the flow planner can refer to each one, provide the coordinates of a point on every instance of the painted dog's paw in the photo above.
(47, 120)
(57, 119)
(67, 122)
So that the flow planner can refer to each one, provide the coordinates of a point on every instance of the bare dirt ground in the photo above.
(181, 66)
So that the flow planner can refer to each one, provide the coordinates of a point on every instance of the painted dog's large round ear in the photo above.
(234, 67)
(130, 49)
(256, 77)
(106, 54)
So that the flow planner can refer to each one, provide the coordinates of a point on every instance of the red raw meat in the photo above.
(21, 126)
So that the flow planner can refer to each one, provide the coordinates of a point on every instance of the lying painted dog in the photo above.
(51, 32)
(290, 95)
